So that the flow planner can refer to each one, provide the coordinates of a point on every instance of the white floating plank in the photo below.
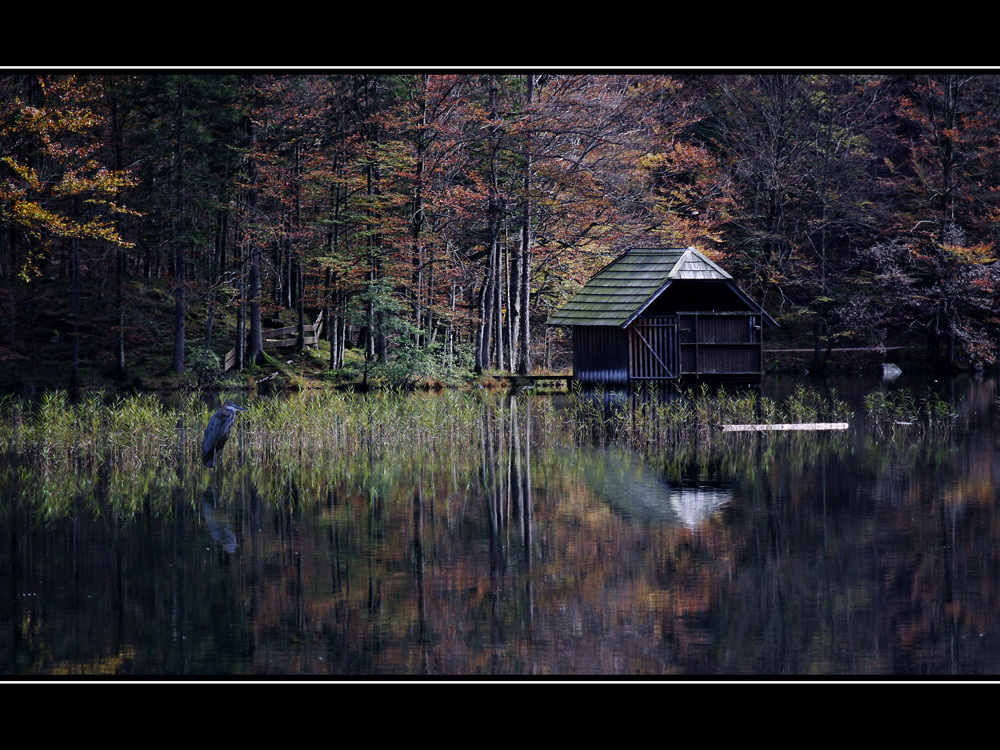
(795, 426)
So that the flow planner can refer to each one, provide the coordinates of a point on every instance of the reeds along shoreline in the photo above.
(126, 454)
(653, 418)
(132, 431)
(900, 412)
(55, 434)
(650, 418)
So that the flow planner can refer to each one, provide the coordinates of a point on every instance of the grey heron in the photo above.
(217, 432)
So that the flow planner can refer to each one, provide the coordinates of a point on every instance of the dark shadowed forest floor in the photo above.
(36, 333)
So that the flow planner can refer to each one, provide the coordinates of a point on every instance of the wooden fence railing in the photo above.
(278, 338)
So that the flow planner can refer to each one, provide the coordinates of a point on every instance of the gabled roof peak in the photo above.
(694, 264)
(626, 286)
(687, 262)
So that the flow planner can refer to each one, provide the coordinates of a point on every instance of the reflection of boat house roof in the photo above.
(638, 492)
(663, 314)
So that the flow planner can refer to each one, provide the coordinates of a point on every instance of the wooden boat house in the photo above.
(663, 315)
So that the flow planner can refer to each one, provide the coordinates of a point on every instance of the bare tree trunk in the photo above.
(334, 322)
(241, 320)
(341, 331)
(491, 291)
(485, 324)
(337, 334)
(120, 305)
(524, 363)
(328, 316)
(498, 301)
(256, 329)
(119, 163)
(74, 377)
(180, 270)
(300, 307)
(417, 222)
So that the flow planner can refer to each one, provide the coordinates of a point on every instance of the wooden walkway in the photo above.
(278, 338)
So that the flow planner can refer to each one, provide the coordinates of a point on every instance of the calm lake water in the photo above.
(858, 552)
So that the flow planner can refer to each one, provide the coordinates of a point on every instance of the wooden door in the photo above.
(653, 348)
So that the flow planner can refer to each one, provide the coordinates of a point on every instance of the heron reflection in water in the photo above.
(217, 523)
(217, 432)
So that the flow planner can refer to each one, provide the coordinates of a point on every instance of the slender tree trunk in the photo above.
(373, 174)
(490, 302)
(417, 222)
(241, 317)
(341, 328)
(114, 117)
(120, 306)
(524, 364)
(256, 329)
(328, 316)
(9, 273)
(300, 306)
(332, 279)
(180, 270)
(498, 302)
(485, 328)
(951, 349)
(74, 378)
(294, 253)
(256, 351)
(217, 266)
(210, 321)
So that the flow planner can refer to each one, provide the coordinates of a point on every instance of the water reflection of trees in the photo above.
(838, 555)
(495, 543)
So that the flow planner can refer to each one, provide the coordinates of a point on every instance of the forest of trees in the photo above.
(445, 215)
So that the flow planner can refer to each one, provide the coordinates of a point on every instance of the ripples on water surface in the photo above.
(486, 536)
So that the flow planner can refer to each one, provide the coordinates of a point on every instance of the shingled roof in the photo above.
(620, 291)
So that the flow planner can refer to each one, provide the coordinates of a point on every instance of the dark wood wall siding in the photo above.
(720, 344)
(600, 355)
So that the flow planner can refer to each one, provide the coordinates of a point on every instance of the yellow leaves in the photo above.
(30, 270)
(52, 182)
(980, 254)
(30, 216)
(29, 207)
(26, 173)
(78, 182)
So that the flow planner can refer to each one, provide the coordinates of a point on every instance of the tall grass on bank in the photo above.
(900, 412)
(117, 435)
(652, 419)
(337, 422)
(57, 435)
